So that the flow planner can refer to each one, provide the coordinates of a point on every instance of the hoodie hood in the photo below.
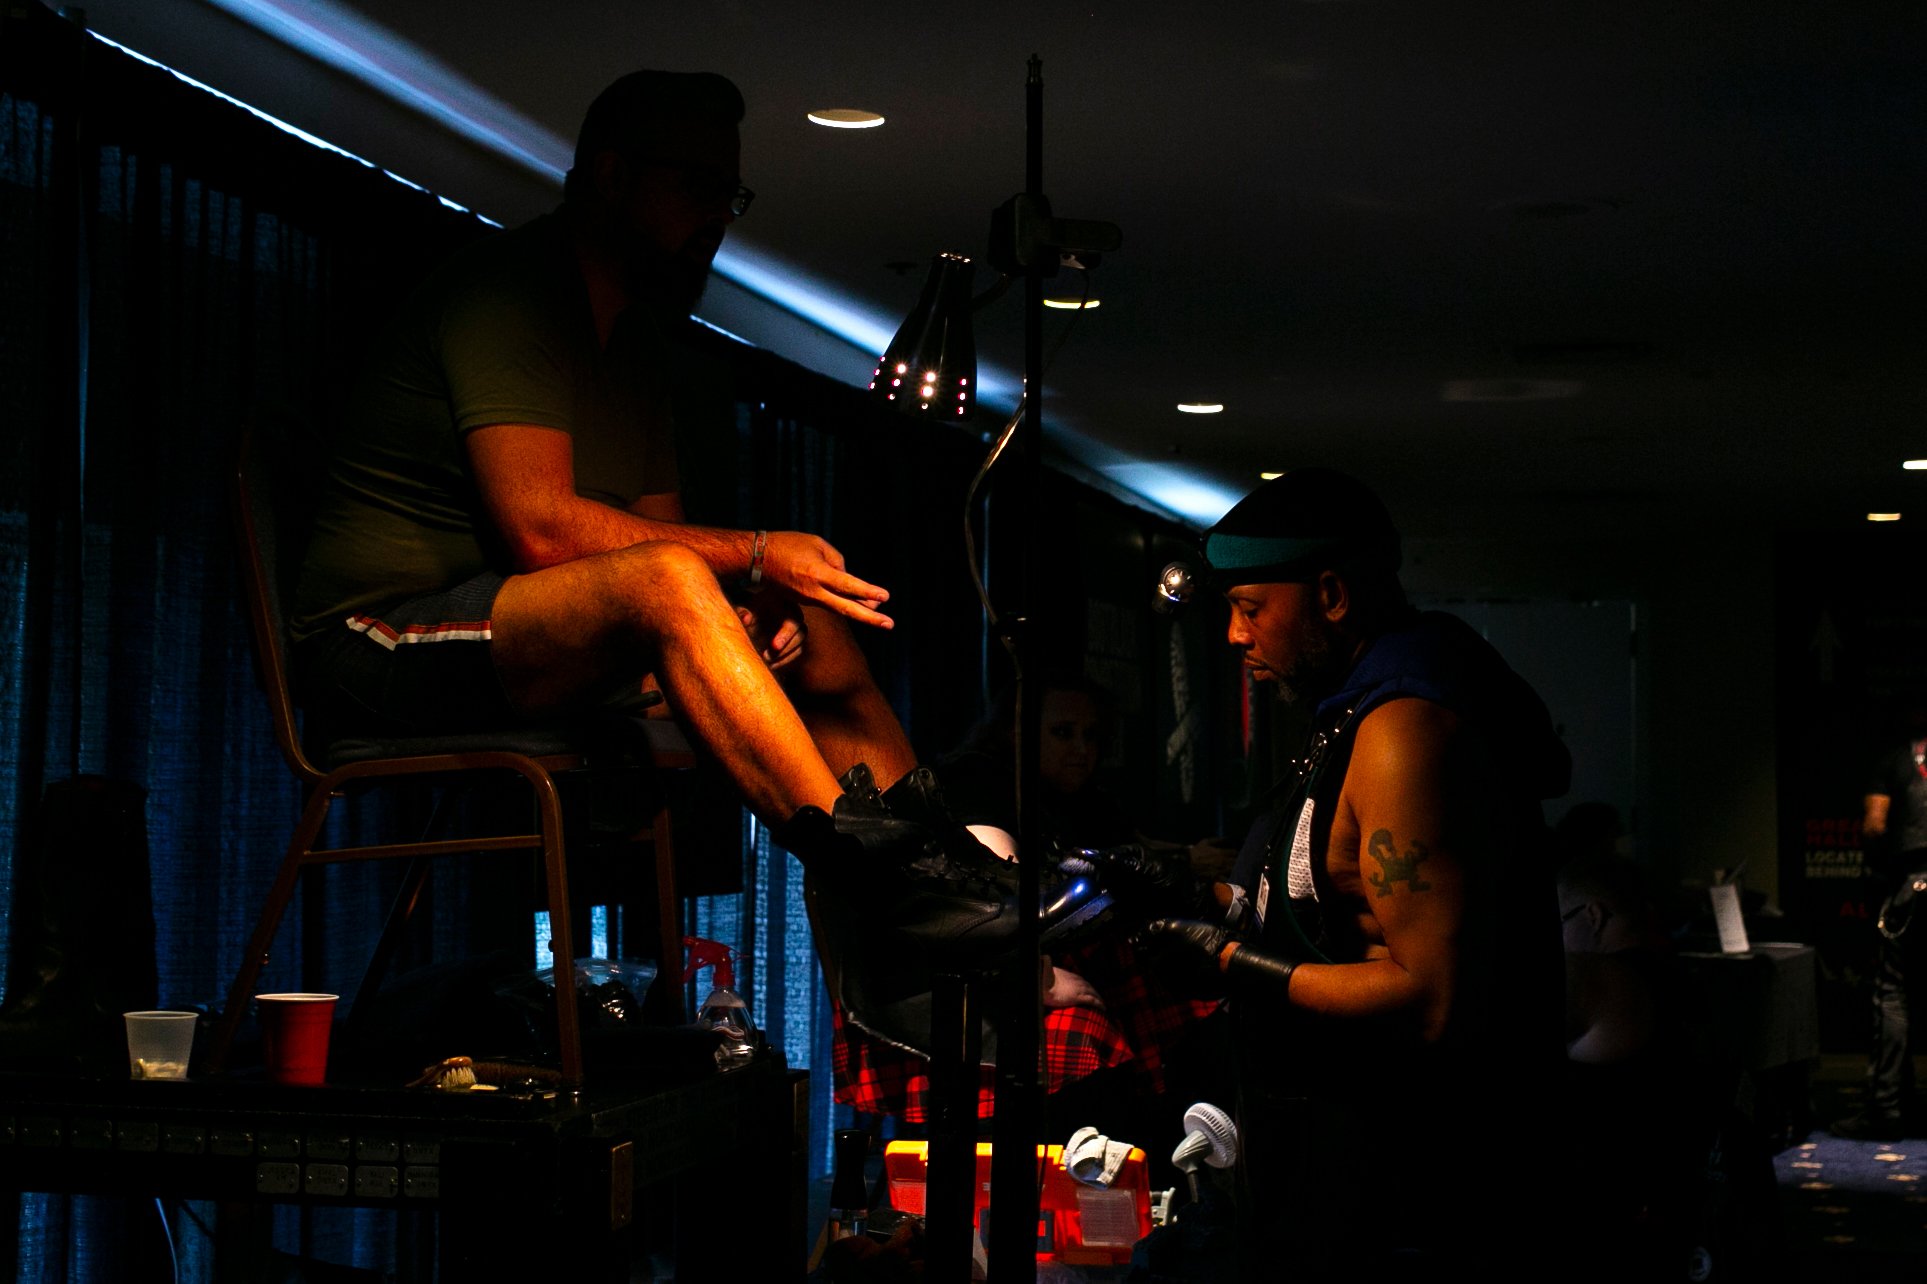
(1439, 657)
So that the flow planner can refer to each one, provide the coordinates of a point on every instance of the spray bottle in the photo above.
(724, 1010)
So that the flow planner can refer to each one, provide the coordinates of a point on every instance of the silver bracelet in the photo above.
(756, 558)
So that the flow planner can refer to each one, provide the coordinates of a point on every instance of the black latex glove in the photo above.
(1185, 953)
(1195, 950)
(1154, 882)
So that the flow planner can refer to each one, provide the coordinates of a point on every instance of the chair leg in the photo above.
(668, 910)
(401, 912)
(956, 1043)
(407, 897)
(568, 1025)
(256, 955)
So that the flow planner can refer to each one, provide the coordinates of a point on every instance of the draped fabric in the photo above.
(173, 267)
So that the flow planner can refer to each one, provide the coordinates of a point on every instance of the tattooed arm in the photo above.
(1397, 840)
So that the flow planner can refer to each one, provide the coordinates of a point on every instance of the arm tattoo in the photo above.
(1397, 868)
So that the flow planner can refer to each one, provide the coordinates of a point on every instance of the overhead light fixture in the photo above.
(932, 361)
(1883, 517)
(1072, 305)
(845, 118)
(1915, 465)
(1269, 476)
(1201, 407)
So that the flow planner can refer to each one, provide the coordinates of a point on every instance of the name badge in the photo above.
(1264, 898)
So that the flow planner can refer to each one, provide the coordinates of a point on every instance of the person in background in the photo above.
(1589, 831)
(1680, 1185)
(1077, 722)
(1893, 827)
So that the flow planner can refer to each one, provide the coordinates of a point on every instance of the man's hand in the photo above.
(1232, 965)
(811, 570)
(1201, 940)
(1873, 822)
(1188, 952)
(774, 623)
(1068, 990)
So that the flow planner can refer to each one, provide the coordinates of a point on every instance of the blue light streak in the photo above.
(1186, 494)
(284, 126)
(342, 39)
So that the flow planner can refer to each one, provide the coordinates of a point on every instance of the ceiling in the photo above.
(1523, 265)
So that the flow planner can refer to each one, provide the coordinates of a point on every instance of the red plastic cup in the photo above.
(294, 1035)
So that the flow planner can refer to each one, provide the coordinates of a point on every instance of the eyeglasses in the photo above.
(705, 184)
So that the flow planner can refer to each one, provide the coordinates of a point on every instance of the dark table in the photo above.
(526, 1186)
(1764, 1002)
(1764, 1007)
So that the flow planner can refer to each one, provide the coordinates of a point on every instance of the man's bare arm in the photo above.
(1873, 821)
(1400, 793)
(525, 476)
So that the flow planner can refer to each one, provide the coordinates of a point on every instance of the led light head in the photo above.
(1177, 585)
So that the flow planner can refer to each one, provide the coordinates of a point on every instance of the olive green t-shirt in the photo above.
(503, 333)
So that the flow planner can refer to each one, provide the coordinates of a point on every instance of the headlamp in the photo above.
(1177, 584)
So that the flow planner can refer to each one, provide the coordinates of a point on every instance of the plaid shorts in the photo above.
(1139, 1022)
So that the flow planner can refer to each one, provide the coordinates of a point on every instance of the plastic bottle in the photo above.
(849, 1193)
(724, 1010)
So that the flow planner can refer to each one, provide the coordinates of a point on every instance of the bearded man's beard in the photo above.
(1316, 669)
(670, 284)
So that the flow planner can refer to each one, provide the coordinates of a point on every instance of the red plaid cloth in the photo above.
(1139, 1020)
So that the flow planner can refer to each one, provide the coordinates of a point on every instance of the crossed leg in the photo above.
(572, 632)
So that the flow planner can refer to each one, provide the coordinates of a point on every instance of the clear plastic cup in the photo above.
(159, 1043)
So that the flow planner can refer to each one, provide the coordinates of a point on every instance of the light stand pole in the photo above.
(1025, 241)
(1019, 1125)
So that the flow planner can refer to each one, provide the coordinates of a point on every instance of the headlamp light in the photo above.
(1177, 585)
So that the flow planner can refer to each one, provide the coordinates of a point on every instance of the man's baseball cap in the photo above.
(1298, 524)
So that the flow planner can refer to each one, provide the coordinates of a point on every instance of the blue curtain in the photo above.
(173, 267)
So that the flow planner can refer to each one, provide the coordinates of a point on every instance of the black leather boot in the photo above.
(932, 887)
(898, 891)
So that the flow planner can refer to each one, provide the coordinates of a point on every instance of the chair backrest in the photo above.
(266, 558)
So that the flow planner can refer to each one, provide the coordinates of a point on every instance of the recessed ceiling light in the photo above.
(1883, 517)
(1269, 476)
(845, 118)
(1200, 407)
(1914, 465)
(1072, 305)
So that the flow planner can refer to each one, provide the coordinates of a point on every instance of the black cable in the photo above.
(167, 1233)
(1004, 436)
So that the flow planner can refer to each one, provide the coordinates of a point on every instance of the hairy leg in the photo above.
(569, 633)
(840, 702)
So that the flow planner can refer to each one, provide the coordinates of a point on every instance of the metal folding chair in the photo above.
(330, 770)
